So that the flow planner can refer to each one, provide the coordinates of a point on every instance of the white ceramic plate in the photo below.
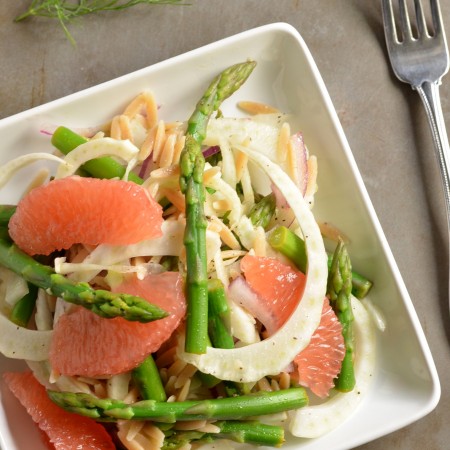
(406, 386)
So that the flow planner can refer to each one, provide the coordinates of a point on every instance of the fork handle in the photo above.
(429, 93)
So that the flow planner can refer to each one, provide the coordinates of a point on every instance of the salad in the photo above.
(168, 285)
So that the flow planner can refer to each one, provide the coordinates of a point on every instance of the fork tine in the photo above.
(437, 17)
(415, 60)
(404, 21)
(389, 22)
(420, 18)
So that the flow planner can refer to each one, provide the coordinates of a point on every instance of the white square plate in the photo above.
(406, 386)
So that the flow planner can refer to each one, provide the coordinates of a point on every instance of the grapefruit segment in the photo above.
(84, 210)
(320, 362)
(85, 344)
(65, 430)
(278, 287)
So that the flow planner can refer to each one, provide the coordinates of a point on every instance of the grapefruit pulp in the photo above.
(90, 211)
(65, 430)
(320, 362)
(279, 288)
(86, 344)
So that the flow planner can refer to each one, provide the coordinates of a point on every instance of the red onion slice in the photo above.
(241, 293)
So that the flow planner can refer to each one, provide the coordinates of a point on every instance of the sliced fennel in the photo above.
(15, 287)
(242, 324)
(21, 343)
(228, 164)
(64, 268)
(43, 316)
(246, 232)
(170, 243)
(263, 135)
(8, 170)
(96, 148)
(270, 356)
(317, 420)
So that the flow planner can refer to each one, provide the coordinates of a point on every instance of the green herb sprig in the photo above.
(66, 11)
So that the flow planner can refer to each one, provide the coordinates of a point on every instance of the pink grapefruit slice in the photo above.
(91, 211)
(278, 287)
(64, 430)
(85, 344)
(320, 362)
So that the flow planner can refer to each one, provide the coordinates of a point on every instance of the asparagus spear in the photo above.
(191, 183)
(24, 307)
(251, 432)
(360, 284)
(66, 140)
(248, 432)
(263, 211)
(339, 292)
(104, 303)
(293, 247)
(219, 336)
(236, 408)
(218, 311)
(290, 245)
(6, 212)
(146, 376)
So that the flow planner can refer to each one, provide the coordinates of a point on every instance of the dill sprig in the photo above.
(66, 11)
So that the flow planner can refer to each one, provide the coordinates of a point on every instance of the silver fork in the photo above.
(422, 61)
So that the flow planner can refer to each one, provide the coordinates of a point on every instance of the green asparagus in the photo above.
(66, 140)
(263, 211)
(251, 432)
(146, 377)
(360, 284)
(293, 247)
(218, 313)
(290, 245)
(24, 307)
(104, 303)
(191, 183)
(218, 317)
(248, 432)
(6, 212)
(235, 408)
(219, 337)
(339, 289)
